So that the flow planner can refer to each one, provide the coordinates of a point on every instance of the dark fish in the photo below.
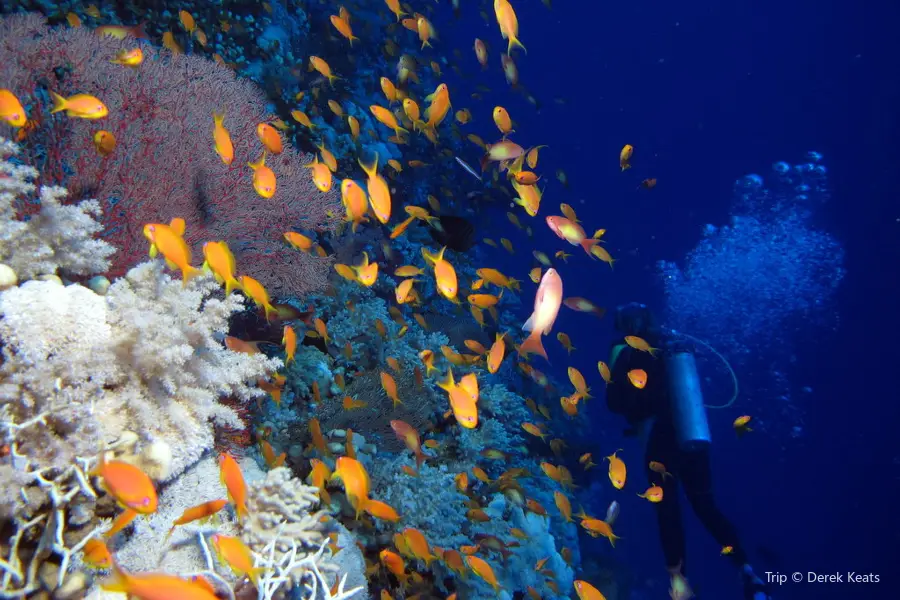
(456, 233)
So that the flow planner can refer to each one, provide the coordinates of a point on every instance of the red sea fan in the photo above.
(164, 164)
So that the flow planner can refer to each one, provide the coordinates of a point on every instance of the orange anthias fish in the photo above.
(201, 511)
(409, 436)
(11, 110)
(483, 569)
(534, 430)
(444, 274)
(83, 106)
(604, 371)
(571, 232)
(318, 477)
(463, 398)
(120, 32)
(509, 24)
(481, 53)
(323, 68)
(379, 192)
(625, 156)
(355, 480)
(640, 344)
(394, 6)
(129, 58)
(563, 504)
(741, 424)
(547, 301)
(156, 586)
(234, 553)
(289, 339)
(654, 494)
(366, 272)
(387, 118)
(390, 388)
(187, 20)
(129, 485)
(658, 467)
(167, 240)
(220, 261)
(96, 554)
(503, 121)
(584, 305)
(263, 177)
(598, 528)
(617, 471)
(425, 31)
(586, 591)
(258, 294)
(318, 440)
(578, 381)
(268, 452)
(495, 355)
(104, 142)
(418, 545)
(585, 460)
(269, 138)
(298, 240)
(440, 105)
(343, 27)
(638, 378)
(321, 175)
(355, 202)
(233, 480)
(501, 151)
(222, 139)
(389, 90)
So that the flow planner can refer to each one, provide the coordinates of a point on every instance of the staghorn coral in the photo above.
(57, 238)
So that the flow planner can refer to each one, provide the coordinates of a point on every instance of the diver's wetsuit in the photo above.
(691, 468)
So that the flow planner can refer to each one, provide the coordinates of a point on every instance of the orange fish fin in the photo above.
(533, 345)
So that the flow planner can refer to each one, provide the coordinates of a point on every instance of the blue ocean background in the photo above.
(707, 94)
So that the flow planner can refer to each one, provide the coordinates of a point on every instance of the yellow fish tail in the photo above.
(59, 103)
(371, 170)
(188, 272)
(231, 285)
(269, 309)
(514, 41)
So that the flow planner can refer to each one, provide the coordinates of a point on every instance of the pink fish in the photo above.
(547, 301)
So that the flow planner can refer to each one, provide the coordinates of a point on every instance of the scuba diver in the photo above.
(667, 410)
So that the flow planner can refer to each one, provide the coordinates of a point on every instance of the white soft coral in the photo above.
(58, 239)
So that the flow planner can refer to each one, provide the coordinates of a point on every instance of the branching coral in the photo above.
(288, 538)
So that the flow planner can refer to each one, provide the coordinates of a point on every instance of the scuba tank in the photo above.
(686, 397)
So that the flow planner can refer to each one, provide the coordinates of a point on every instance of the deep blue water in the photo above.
(707, 94)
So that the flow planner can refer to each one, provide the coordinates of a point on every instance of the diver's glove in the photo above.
(754, 587)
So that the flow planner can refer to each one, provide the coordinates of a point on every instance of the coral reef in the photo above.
(163, 165)
(58, 239)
